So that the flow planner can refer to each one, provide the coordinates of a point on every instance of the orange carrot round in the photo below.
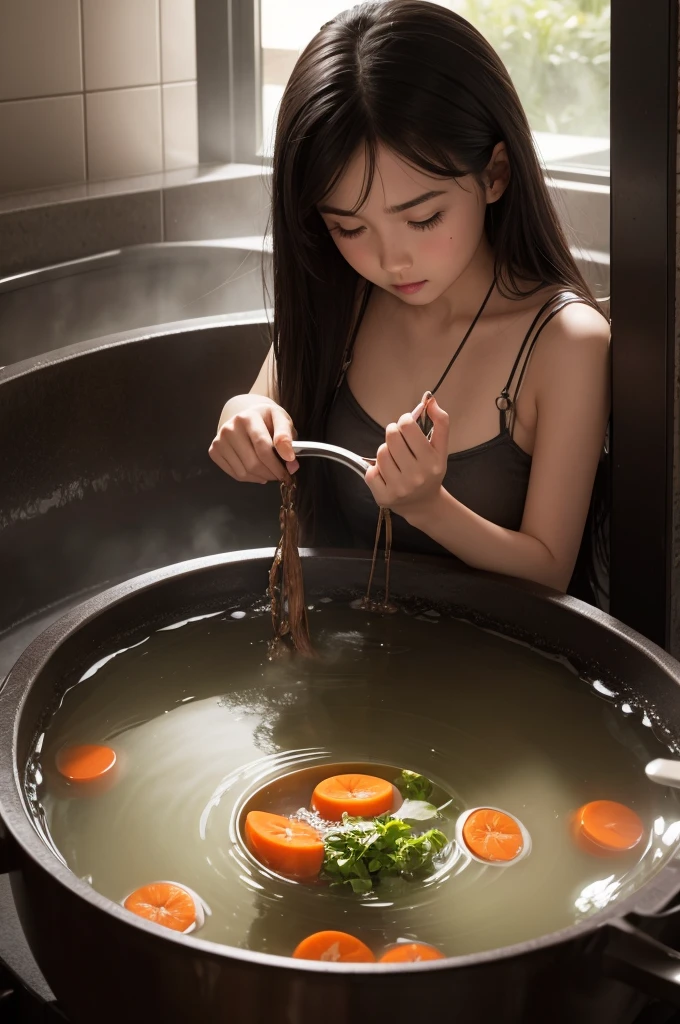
(85, 763)
(166, 904)
(288, 847)
(363, 796)
(605, 827)
(335, 947)
(493, 835)
(409, 953)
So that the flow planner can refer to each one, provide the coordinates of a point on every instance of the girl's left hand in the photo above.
(409, 469)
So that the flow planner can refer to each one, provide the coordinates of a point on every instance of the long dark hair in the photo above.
(420, 80)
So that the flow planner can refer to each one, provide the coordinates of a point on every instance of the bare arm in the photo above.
(571, 367)
(250, 428)
(263, 388)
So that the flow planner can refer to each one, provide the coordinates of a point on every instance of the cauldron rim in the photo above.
(15, 815)
(215, 322)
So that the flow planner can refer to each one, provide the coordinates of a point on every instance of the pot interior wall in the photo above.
(108, 474)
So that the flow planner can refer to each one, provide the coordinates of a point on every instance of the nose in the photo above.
(394, 259)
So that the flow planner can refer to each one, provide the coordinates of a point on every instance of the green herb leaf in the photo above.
(413, 786)
(417, 810)
(359, 853)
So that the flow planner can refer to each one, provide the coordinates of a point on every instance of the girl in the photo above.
(416, 249)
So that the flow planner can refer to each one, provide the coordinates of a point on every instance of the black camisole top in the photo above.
(491, 479)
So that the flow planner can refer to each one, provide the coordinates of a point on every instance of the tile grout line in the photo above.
(162, 99)
(161, 192)
(115, 88)
(81, 28)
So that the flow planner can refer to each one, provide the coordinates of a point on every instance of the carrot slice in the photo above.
(604, 826)
(164, 903)
(493, 835)
(364, 796)
(410, 952)
(335, 947)
(289, 847)
(85, 763)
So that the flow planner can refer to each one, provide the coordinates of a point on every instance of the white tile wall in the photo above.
(42, 143)
(105, 124)
(180, 125)
(39, 48)
(178, 40)
(121, 43)
(124, 135)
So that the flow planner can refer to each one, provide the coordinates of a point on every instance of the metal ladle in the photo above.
(359, 465)
(664, 771)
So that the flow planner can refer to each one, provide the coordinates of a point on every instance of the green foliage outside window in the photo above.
(557, 52)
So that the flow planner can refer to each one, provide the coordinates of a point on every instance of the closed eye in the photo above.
(348, 234)
(418, 225)
(424, 225)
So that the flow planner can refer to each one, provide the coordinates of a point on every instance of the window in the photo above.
(557, 52)
(286, 29)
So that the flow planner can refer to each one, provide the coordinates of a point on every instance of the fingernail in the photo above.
(418, 411)
(293, 466)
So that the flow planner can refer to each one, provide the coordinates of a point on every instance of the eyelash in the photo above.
(418, 225)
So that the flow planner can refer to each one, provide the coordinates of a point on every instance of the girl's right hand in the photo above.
(247, 442)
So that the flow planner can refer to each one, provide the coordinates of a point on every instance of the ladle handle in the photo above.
(632, 956)
(664, 771)
(359, 465)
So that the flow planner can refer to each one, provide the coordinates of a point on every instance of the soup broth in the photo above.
(201, 720)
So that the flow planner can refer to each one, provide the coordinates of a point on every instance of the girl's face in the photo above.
(415, 235)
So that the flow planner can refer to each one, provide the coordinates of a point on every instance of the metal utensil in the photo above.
(664, 771)
(359, 465)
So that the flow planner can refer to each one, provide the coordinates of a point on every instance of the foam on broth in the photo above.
(200, 719)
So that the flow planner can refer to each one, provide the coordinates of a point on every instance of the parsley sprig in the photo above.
(413, 786)
(360, 852)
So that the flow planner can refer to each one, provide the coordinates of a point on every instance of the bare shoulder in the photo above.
(579, 320)
(576, 340)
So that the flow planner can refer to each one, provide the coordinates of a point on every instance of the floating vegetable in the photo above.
(413, 786)
(334, 947)
(287, 846)
(85, 763)
(167, 904)
(360, 795)
(360, 853)
(409, 953)
(605, 827)
(493, 836)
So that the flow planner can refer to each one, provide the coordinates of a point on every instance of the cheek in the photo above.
(357, 252)
(456, 241)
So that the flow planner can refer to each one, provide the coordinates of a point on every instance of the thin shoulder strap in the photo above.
(505, 403)
(349, 347)
(469, 331)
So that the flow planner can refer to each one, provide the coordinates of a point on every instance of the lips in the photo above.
(410, 289)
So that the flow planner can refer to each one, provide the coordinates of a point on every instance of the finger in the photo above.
(376, 484)
(413, 437)
(398, 447)
(388, 468)
(282, 433)
(230, 467)
(440, 427)
(422, 405)
(266, 454)
(245, 448)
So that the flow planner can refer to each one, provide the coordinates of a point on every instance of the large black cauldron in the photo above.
(108, 966)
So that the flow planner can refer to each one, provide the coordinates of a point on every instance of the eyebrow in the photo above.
(391, 209)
